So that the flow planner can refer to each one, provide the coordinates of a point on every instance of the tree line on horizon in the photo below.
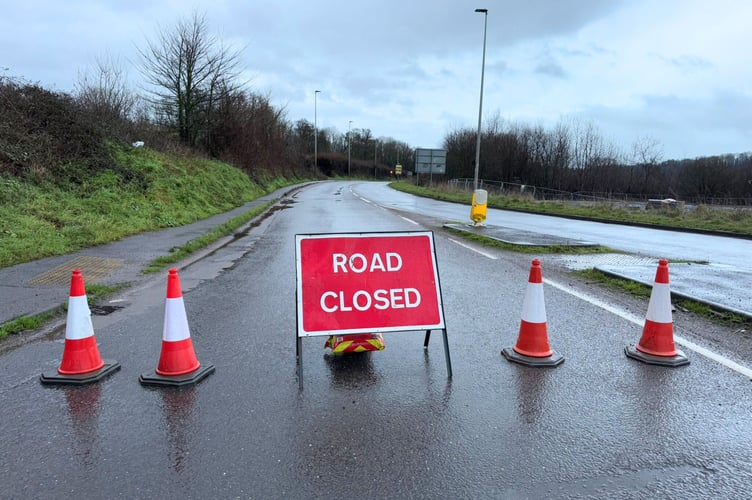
(574, 158)
(195, 100)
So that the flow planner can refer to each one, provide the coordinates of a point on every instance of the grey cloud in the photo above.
(688, 62)
(551, 68)
(684, 127)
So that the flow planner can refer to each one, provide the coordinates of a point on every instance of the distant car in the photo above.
(664, 203)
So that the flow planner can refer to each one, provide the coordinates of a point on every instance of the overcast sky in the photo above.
(675, 71)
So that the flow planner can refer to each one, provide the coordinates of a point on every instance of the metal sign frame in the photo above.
(430, 161)
(307, 284)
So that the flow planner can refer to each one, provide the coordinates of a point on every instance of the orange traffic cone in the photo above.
(81, 362)
(532, 347)
(656, 346)
(177, 362)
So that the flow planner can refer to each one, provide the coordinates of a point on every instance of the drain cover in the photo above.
(93, 269)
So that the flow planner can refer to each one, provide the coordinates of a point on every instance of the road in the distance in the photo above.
(386, 425)
(649, 242)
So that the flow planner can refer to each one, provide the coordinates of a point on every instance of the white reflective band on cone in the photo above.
(533, 306)
(175, 321)
(659, 308)
(78, 324)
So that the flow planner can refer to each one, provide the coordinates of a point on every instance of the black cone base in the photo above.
(109, 368)
(554, 359)
(679, 360)
(193, 377)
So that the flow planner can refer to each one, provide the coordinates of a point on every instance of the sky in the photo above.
(676, 73)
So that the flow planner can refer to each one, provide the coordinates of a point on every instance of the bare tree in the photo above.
(588, 152)
(104, 92)
(646, 155)
(190, 71)
(254, 135)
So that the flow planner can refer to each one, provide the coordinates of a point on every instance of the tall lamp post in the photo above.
(480, 196)
(480, 106)
(315, 133)
(348, 147)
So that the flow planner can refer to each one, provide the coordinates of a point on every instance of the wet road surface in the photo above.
(385, 425)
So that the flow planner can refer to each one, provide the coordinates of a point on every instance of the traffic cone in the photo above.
(532, 347)
(81, 362)
(177, 362)
(656, 347)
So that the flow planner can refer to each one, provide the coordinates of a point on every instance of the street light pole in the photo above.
(348, 147)
(315, 133)
(480, 106)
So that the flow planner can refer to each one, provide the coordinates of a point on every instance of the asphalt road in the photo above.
(383, 425)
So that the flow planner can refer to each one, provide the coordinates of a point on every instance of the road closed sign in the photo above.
(367, 283)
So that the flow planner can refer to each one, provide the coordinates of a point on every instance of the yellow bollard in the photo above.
(480, 204)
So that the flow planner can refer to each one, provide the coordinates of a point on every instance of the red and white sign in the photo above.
(367, 283)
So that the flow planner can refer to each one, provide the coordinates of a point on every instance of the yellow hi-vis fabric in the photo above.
(345, 344)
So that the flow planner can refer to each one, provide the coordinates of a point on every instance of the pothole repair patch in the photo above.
(93, 269)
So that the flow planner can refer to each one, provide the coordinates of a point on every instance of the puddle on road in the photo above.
(605, 485)
(580, 262)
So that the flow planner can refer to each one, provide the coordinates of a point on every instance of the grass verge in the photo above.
(725, 318)
(528, 249)
(179, 253)
(94, 294)
(28, 323)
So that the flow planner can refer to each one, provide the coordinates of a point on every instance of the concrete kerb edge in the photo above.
(226, 240)
(710, 303)
(55, 324)
(221, 242)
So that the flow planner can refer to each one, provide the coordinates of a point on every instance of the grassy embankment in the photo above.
(146, 191)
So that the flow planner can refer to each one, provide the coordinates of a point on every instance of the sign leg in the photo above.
(299, 361)
(446, 354)
(427, 339)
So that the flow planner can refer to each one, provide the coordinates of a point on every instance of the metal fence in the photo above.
(547, 194)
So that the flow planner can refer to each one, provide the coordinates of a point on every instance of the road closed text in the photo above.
(363, 300)
(354, 283)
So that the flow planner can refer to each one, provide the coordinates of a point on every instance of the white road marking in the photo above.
(382, 207)
(484, 254)
(743, 370)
